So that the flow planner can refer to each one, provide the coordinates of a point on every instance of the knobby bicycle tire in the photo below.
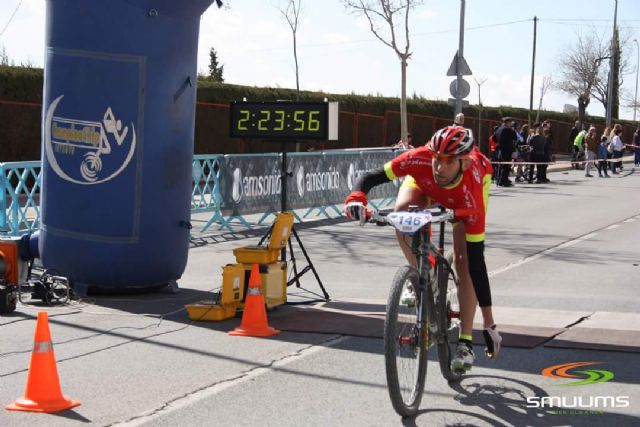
(442, 302)
(402, 407)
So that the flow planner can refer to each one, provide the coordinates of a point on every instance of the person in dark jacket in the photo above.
(537, 143)
(506, 141)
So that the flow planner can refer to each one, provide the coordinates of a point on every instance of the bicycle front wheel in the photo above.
(405, 342)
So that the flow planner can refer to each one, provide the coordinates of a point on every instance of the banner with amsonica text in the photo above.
(252, 183)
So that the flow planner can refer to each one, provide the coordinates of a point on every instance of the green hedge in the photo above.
(25, 84)
(20, 130)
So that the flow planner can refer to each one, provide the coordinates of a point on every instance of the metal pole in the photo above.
(460, 56)
(481, 141)
(635, 98)
(611, 62)
(533, 67)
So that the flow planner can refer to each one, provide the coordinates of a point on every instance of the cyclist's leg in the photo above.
(466, 293)
(409, 194)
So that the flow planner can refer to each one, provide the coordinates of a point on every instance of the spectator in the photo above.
(506, 138)
(575, 130)
(617, 146)
(636, 144)
(619, 165)
(602, 156)
(590, 143)
(401, 145)
(537, 143)
(548, 144)
(578, 149)
(522, 150)
(458, 120)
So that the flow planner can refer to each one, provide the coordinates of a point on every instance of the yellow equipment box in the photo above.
(265, 254)
(274, 283)
(233, 282)
(210, 310)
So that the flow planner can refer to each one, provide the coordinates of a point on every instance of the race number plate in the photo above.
(409, 222)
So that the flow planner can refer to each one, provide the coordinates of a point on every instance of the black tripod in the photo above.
(285, 174)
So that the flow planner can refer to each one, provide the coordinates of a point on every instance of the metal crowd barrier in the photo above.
(20, 185)
(19, 197)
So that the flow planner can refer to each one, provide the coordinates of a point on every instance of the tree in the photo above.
(547, 84)
(381, 14)
(579, 69)
(621, 68)
(215, 70)
(4, 58)
(291, 14)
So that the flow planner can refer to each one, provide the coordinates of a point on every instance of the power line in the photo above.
(11, 18)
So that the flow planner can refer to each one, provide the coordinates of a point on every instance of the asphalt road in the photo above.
(564, 253)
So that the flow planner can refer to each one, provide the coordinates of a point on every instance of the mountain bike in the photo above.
(411, 329)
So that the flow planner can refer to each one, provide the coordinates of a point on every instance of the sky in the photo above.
(337, 52)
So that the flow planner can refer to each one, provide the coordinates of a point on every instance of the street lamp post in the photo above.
(635, 98)
(481, 141)
(611, 64)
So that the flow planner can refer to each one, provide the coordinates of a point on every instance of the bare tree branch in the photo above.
(291, 14)
(380, 15)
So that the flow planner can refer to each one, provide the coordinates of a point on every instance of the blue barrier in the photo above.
(20, 184)
(20, 197)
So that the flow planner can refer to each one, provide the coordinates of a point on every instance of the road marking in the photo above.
(203, 393)
(541, 254)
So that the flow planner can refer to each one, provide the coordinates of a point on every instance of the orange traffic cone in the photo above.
(254, 317)
(43, 393)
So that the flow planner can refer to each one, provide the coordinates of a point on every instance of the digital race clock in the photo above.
(283, 120)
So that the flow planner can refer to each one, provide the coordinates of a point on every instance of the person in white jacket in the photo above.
(618, 147)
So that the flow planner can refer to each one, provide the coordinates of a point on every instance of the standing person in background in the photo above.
(615, 127)
(603, 167)
(548, 144)
(636, 147)
(506, 139)
(618, 146)
(577, 127)
(578, 148)
(401, 145)
(606, 138)
(590, 143)
(537, 143)
(523, 152)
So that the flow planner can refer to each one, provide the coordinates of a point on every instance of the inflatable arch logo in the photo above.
(78, 151)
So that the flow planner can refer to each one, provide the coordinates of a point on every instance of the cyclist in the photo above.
(452, 172)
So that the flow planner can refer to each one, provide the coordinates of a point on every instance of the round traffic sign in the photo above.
(463, 90)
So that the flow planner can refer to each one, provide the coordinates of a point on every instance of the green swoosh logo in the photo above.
(594, 376)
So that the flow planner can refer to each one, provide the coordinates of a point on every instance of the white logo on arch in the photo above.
(94, 140)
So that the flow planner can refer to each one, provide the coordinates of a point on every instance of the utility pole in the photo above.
(611, 64)
(635, 98)
(482, 143)
(533, 67)
(458, 108)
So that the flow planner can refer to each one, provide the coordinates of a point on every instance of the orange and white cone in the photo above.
(43, 393)
(254, 317)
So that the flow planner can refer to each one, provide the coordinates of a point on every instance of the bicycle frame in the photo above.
(421, 247)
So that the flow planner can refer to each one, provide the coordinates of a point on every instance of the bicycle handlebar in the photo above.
(437, 216)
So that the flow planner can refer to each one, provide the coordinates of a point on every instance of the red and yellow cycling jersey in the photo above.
(470, 193)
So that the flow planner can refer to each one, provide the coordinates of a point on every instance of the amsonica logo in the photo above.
(584, 377)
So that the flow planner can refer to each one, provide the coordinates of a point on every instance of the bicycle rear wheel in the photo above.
(447, 304)
(405, 344)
